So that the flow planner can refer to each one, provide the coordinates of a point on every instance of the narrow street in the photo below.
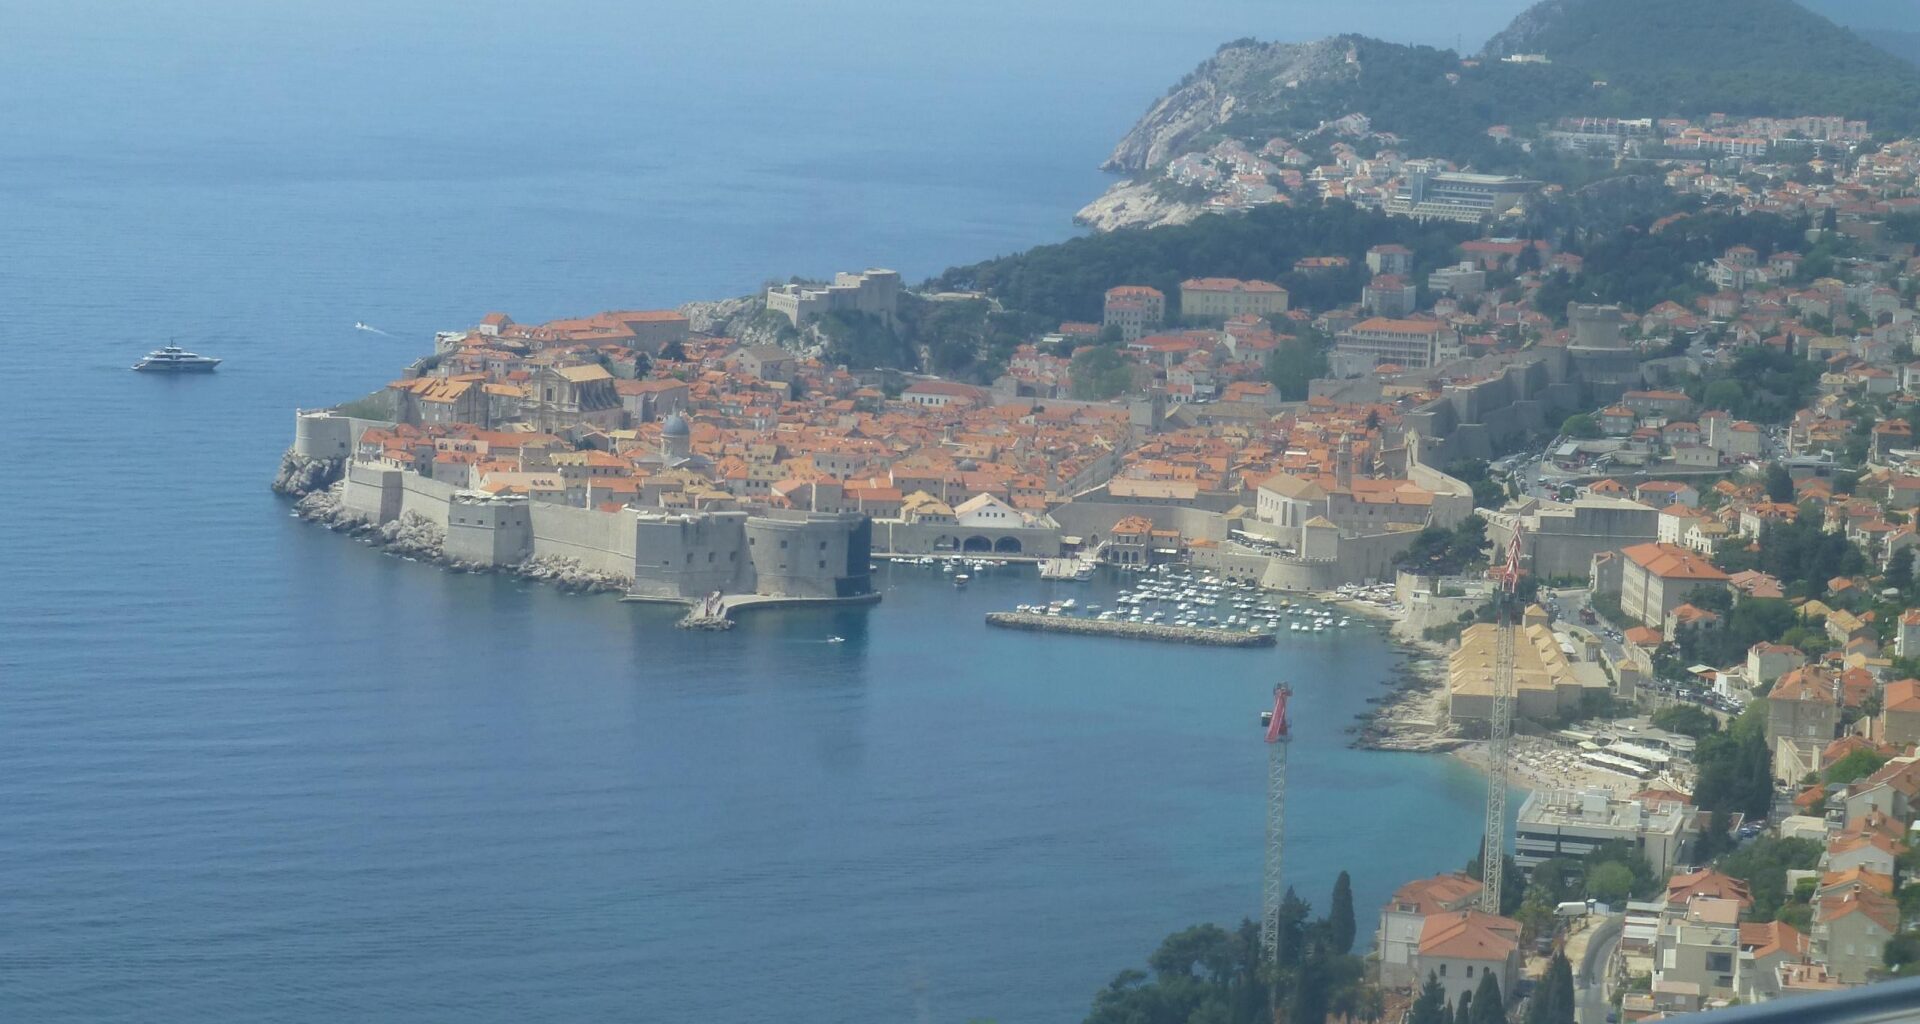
(1591, 996)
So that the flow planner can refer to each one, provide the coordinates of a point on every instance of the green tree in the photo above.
(1900, 569)
(1488, 1008)
(1341, 928)
(1291, 930)
(1724, 394)
(1687, 719)
(1763, 864)
(1430, 1003)
(1560, 997)
(1857, 765)
(1294, 364)
(1779, 483)
(1463, 1010)
(1536, 913)
(1735, 767)
(1610, 882)
(1099, 373)
(1580, 424)
(1513, 884)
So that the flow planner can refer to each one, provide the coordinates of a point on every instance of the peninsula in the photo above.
(1650, 349)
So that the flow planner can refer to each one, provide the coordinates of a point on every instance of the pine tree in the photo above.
(1432, 1001)
(1340, 923)
(1487, 1005)
(1307, 1002)
(1292, 930)
(1463, 1010)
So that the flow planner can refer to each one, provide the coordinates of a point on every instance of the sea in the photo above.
(254, 771)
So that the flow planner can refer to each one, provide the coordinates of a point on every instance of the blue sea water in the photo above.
(252, 771)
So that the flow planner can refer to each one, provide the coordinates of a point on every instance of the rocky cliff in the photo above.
(1132, 204)
(1241, 74)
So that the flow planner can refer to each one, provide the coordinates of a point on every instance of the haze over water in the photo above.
(252, 771)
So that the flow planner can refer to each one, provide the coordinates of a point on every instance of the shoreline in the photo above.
(1412, 717)
(1414, 720)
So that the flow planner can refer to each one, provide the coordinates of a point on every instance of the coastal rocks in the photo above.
(570, 575)
(412, 535)
(1413, 718)
(301, 475)
(327, 507)
(1131, 204)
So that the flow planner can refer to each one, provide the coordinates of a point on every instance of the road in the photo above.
(1590, 1002)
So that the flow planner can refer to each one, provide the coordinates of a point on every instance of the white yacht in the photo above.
(174, 359)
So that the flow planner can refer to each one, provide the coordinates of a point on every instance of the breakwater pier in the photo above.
(1128, 630)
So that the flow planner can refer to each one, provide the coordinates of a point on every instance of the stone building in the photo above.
(1134, 310)
(1656, 578)
(1409, 344)
(874, 292)
(1560, 539)
(1543, 682)
(1804, 704)
(1226, 297)
(794, 555)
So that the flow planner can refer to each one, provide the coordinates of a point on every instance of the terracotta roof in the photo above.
(1434, 895)
(1709, 883)
(1469, 935)
(1671, 561)
(1771, 939)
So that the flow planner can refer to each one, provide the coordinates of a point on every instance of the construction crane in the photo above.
(1493, 846)
(1279, 737)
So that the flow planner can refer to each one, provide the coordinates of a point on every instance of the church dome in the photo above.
(676, 426)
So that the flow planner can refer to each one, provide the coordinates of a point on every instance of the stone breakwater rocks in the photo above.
(1128, 630)
(326, 507)
(415, 536)
(301, 475)
(570, 575)
(1413, 718)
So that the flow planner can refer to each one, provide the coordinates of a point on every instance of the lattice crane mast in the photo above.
(1493, 846)
(1279, 737)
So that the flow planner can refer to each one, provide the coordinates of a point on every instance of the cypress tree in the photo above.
(1340, 924)
(1537, 1007)
(1464, 1009)
(1487, 1005)
(1561, 1007)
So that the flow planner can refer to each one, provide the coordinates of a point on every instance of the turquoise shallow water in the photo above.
(252, 771)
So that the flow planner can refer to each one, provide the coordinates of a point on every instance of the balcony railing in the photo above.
(1883, 1003)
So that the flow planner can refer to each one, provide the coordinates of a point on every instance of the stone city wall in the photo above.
(1092, 519)
(598, 541)
(898, 538)
(325, 434)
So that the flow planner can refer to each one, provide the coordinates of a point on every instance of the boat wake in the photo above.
(370, 329)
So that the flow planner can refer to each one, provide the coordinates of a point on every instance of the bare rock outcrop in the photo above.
(300, 475)
(1242, 76)
(1131, 204)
